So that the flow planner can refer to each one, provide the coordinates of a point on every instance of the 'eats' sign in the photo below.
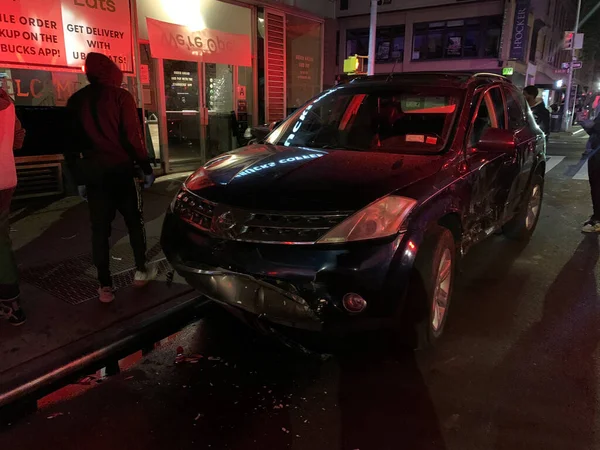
(60, 33)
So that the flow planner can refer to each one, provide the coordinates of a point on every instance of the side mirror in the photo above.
(260, 133)
(274, 125)
(497, 140)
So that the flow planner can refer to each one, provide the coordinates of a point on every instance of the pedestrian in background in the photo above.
(592, 127)
(11, 138)
(538, 108)
(108, 143)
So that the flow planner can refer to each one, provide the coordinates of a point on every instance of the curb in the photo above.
(49, 372)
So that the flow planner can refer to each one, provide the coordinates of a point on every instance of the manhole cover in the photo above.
(74, 281)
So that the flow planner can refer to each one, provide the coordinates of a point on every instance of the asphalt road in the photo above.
(517, 368)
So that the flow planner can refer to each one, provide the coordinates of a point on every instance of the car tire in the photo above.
(431, 287)
(522, 226)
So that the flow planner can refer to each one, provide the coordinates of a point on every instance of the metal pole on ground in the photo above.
(567, 117)
(372, 38)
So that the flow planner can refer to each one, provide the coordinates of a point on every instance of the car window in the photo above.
(390, 119)
(485, 117)
(498, 101)
(516, 108)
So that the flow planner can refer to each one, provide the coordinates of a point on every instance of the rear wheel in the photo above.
(522, 226)
(431, 288)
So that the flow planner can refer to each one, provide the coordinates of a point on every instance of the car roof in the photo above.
(462, 80)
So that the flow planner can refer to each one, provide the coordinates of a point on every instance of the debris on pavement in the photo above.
(285, 430)
(90, 379)
(191, 359)
(68, 238)
(198, 417)
(54, 415)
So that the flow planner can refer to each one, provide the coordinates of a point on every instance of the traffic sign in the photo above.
(574, 65)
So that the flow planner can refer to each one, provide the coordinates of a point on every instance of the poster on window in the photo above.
(398, 48)
(51, 34)
(383, 51)
(454, 46)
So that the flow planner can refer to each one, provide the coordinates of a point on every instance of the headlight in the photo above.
(380, 219)
(176, 199)
(198, 180)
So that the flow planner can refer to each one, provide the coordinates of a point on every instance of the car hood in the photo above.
(282, 178)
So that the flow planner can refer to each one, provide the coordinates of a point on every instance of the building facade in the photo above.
(202, 70)
(524, 36)
(424, 35)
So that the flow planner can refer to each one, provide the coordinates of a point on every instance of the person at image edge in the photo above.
(11, 138)
(108, 144)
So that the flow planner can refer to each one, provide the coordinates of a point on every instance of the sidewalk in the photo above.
(52, 241)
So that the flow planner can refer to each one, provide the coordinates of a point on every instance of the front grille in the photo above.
(296, 228)
(260, 226)
(195, 210)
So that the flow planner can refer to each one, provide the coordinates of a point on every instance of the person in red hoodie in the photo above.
(11, 138)
(108, 144)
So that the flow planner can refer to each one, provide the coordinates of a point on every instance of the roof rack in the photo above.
(493, 75)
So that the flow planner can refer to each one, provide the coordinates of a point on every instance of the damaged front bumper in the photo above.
(258, 297)
(296, 286)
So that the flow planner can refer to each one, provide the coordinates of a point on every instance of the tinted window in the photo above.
(390, 120)
(516, 107)
(498, 102)
(484, 119)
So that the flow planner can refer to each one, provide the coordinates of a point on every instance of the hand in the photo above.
(148, 180)
(82, 192)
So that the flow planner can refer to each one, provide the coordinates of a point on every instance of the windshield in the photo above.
(395, 120)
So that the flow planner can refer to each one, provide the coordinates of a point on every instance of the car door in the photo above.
(526, 143)
(487, 177)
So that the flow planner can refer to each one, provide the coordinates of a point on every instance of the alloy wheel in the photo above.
(441, 294)
(533, 207)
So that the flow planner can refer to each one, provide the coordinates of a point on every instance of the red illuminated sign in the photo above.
(172, 41)
(60, 33)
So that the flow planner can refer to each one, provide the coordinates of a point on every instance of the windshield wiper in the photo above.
(337, 147)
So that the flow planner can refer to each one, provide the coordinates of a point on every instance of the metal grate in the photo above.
(38, 180)
(73, 280)
(275, 66)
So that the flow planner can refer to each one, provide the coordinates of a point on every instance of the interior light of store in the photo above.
(185, 12)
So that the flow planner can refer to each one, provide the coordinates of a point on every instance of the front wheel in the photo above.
(431, 288)
(522, 226)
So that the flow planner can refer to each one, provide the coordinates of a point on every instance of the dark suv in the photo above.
(355, 211)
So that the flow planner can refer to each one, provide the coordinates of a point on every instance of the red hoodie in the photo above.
(11, 138)
(106, 125)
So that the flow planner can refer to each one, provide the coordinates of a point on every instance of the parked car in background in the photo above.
(356, 210)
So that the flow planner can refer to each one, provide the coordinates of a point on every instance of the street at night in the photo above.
(517, 367)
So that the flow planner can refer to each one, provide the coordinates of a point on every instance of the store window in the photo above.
(465, 38)
(389, 45)
(40, 87)
(304, 47)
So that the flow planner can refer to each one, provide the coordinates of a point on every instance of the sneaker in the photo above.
(106, 294)
(11, 311)
(591, 226)
(143, 277)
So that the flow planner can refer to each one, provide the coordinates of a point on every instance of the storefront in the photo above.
(202, 70)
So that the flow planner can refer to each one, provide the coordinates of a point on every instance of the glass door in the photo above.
(222, 128)
(183, 115)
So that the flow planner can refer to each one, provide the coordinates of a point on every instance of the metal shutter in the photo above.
(275, 77)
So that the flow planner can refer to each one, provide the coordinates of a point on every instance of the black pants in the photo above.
(594, 176)
(117, 193)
